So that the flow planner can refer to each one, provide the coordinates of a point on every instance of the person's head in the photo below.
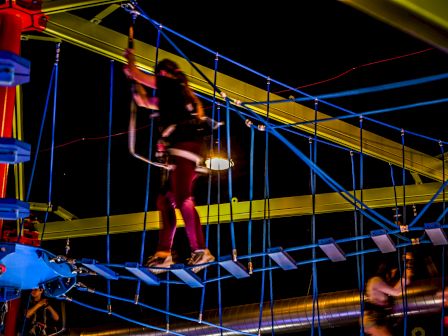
(169, 68)
(36, 293)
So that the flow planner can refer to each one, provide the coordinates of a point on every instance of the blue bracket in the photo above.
(27, 267)
(186, 275)
(142, 273)
(14, 70)
(12, 209)
(99, 269)
(235, 268)
(14, 151)
(282, 258)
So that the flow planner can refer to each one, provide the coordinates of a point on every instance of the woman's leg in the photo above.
(166, 206)
(183, 178)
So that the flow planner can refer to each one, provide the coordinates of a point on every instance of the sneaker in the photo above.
(201, 258)
(161, 264)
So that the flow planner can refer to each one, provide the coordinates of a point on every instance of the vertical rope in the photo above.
(109, 150)
(218, 231)
(442, 319)
(209, 184)
(251, 197)
(361, 215)
(39, 139)
(404, 222)
(265, 216)
(358, 261)
(267, 198)
(50, 184)
(229, 175)
(148, 177)
(403, 176)
(313, 158)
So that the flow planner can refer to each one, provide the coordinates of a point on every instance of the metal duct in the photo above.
(336, 309)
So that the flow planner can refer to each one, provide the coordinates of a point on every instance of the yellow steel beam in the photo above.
(424, 19)
(279, 207)
(111, 44)
(57, 210)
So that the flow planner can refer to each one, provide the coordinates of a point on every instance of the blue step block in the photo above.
(142, 273)
(282, 258)
(233, 267)
(14, 70)
(12, 209)
(186, 275)
(99, 269)
(14, 151)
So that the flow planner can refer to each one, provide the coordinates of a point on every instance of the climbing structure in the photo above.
(265, 115)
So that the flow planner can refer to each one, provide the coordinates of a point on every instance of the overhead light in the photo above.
(331, 249)
(218, 163)
(436, 234)
(383, 241)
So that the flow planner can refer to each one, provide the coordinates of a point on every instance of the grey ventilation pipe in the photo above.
(336, 309)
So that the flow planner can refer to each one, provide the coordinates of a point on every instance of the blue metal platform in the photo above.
(14, 70)
(26, 267)
(14, 151)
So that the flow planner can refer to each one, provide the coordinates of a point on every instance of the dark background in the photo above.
(296, 43)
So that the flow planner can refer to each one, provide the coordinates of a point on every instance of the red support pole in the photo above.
(10, 31)
(15, 17)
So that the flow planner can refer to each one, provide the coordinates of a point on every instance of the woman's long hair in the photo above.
(173, 69)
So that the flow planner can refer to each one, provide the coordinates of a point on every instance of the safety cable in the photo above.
(313, 185)
(362, 215)
(357, 245)
(209, 183)
(108, 175)
(442, 220)
(50, 184)
(36, 153)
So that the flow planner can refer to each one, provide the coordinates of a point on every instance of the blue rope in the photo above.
(251, 196)
(332, 183)
(50, 184)
(362, 215)
(44, 115)
(36, 153)
(122, 317)
(442, 318)
(403, 169)
(268, 221)
(354, 92)
(109, 150)
(148, 182)
(186, 318)
(314, 230)
(209, 184)
(358, 260)
(229, 175)
(386, 87)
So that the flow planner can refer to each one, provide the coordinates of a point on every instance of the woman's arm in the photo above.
(136, 74)
(53, 312)
(142, 99)
(31, 311)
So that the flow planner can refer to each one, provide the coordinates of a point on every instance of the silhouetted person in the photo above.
(380, 291)
(41, 317)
